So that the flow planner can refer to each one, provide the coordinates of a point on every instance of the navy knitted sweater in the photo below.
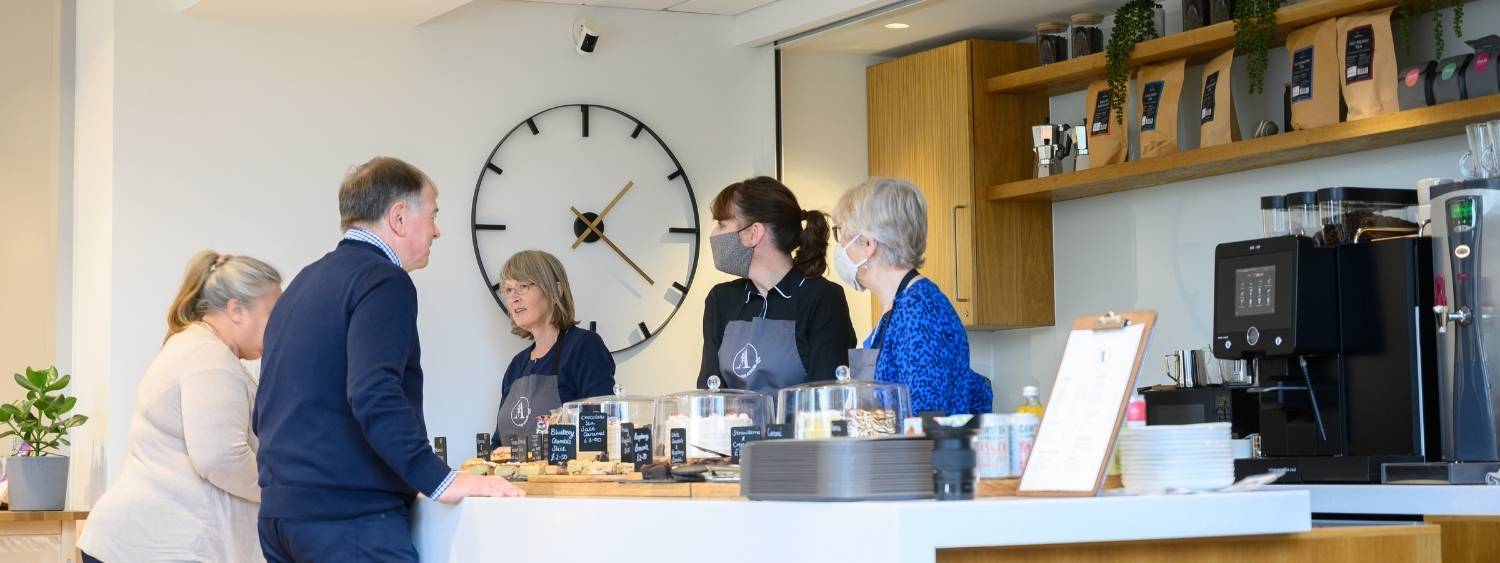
(339, 411)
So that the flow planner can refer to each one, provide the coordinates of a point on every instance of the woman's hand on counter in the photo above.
(466, 485)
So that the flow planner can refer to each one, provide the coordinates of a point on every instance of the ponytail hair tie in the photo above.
(804, 214)
(220, 261)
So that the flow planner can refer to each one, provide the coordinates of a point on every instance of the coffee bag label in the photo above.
(1210, 86)
(1359, 54)
(1099, 125)
(1302, 74)
(1150, 103)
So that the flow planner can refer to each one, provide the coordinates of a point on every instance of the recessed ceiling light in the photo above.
(896, 26)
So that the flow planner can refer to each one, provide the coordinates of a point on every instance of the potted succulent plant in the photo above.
(38, 474)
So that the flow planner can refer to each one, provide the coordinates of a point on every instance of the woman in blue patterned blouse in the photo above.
(882, 234)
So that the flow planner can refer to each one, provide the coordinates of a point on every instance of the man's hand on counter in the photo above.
(466, 485)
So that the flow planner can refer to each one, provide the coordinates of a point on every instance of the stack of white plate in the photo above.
(1187, 456)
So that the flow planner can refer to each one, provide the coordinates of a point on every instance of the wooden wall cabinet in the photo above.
(932, 122)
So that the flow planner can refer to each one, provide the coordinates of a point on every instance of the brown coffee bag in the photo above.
(1107, 141)
(1161, 96)
(1313, 52)
(1219, 123)
(1369, 64)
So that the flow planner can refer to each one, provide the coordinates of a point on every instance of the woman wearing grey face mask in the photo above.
(782, 323)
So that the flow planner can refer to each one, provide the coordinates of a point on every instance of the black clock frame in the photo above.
(640, 126)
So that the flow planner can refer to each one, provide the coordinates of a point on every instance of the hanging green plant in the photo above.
(1254, 31)
(1134, 22)
(1406, 10)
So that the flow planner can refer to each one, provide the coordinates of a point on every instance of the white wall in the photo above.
(234, 135)
(1153, 248)
(30, 113)
(825, 141)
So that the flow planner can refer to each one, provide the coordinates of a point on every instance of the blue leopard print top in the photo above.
(927, 349)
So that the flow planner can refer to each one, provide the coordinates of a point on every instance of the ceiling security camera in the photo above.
(584, 39)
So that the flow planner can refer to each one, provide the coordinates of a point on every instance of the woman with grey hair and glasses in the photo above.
(881, 236)
(564, 363)
(188, 489)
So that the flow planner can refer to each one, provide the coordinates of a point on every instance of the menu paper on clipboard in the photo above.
(1087, 404)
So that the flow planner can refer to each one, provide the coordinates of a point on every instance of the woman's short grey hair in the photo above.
(891, 211)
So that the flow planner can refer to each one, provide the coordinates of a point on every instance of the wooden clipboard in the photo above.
(1068, 440)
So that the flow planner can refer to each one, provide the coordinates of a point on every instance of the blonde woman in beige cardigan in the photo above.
(188, 488)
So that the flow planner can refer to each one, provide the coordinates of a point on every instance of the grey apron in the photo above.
(530, 396)
(862, 361)
(761, 355)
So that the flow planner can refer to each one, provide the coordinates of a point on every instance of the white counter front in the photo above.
(1410, 500)
(732, 531)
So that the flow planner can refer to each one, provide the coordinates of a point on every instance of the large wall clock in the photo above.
(600, 190)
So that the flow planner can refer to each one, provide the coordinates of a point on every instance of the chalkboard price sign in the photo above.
(518, 448)
(776, 431)
(678, 446)
(593, 431)
(482, 445)
(624, 437)
(738, 436)
(561, 443)
(535, 443)
(840, 429)
(641, 446)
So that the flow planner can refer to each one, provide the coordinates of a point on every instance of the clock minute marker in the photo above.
(531, 123)
(674, 175)
(682, 231)
(679, 287)
(489, 227)
(645, 332)
(585, 110)
(496, 169)
(638, 128)
(593, 326)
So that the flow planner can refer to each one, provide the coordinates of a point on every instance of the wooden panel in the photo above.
(1012, 240)
(1341, 138)
(42, 516)
(31, 528)
(919, 130)
(659, 490)
(1198, 46)
(1365, 544)
(716, 490)
(1469, 538)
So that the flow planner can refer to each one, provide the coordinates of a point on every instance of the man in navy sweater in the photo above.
(343, 445)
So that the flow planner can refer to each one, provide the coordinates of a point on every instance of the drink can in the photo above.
(1023, 427)
(992, 446)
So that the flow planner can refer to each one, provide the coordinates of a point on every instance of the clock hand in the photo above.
(600, 219)
(591, 228)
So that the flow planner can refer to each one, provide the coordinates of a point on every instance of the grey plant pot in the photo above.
(37, 483)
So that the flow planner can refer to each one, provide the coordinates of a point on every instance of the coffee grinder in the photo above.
(1466, 241)
(1341, 324)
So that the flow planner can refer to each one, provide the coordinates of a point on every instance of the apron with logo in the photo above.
(530, 396)
(761, 355)
(862, 361)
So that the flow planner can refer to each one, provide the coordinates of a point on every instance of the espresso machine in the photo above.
(1465, 228)
(1341, 325)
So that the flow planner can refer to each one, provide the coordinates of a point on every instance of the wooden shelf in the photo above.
(1342, 138)
(1197, 46)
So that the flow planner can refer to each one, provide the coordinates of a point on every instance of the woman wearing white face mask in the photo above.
(920, 342)
(782, 323)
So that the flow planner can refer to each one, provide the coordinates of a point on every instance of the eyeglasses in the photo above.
(518, 290)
